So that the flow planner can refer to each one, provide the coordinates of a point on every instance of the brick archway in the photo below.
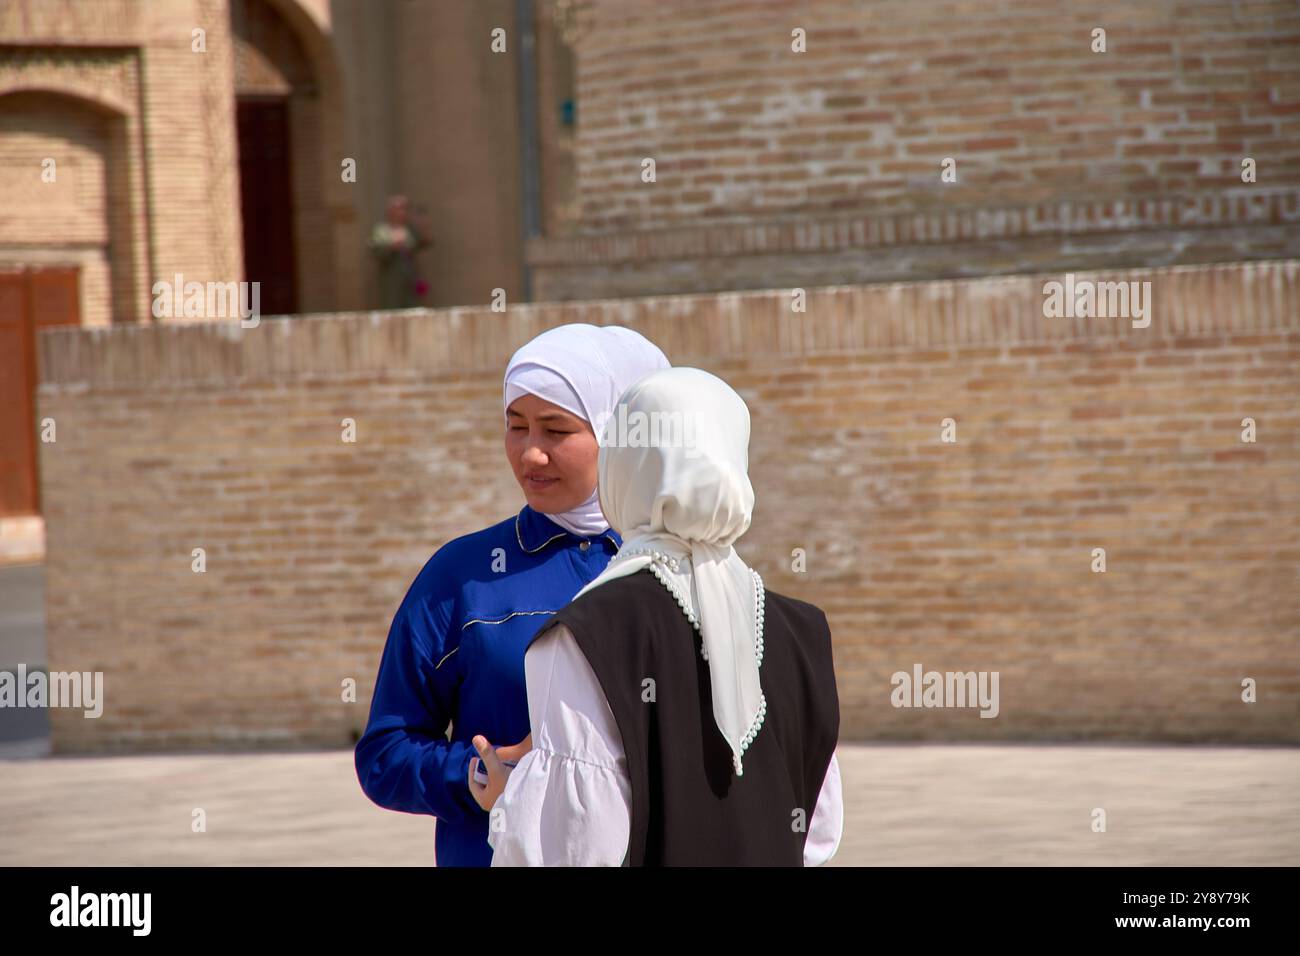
(287, 87)
(89, 87)
(68, 191)
(66, 258)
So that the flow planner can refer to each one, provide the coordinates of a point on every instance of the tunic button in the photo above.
(585, 545)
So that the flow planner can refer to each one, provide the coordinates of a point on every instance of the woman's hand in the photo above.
(498, 773)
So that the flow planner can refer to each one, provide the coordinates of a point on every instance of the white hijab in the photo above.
(583, 369)
(679, 504)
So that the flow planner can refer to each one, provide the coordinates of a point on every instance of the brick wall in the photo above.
(75, 206)
(751, 139)
(192, 151)
(742, 127)
(1071, 435)
(138, 70)
(1087, 234)
(79, 108)
(410, 91)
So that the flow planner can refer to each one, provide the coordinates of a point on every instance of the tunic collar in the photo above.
(535, 531)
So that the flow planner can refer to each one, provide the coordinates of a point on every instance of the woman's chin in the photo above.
(547, 502)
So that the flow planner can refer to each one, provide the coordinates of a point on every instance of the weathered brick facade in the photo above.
(410, 92)
(772, 167)
(249, 140)
(974, 555)
(78, 109)
(776, 167)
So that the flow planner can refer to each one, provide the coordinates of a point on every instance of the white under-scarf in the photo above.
(679, 505)
(583, 369)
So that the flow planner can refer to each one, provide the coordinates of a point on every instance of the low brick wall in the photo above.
(974, 555)
(912, 246)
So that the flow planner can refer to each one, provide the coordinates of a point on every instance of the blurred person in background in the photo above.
(395, 242)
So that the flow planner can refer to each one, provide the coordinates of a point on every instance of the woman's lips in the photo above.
(540, 483)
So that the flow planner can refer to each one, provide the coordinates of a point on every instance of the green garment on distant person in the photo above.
(395, 248)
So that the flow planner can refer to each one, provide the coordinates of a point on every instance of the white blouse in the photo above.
(568, 802)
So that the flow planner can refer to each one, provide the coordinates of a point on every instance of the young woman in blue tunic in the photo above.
(455, 651)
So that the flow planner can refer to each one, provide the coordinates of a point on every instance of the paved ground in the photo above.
(24, 732)
(905, 805)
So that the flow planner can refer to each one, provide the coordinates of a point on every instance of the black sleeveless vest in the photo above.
(688, 806)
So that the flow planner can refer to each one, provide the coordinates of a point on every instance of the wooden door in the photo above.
(266, 202)
(30, 300)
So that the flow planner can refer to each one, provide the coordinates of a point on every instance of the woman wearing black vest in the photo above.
(681, 715)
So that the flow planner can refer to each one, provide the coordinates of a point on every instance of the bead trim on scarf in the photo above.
(759, 605)
(658, 559)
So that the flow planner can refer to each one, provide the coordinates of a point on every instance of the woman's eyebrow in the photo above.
(545, 416)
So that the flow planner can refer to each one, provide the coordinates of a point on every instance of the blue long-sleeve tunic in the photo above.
(455, 654)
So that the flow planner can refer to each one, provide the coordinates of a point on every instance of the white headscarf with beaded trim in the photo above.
(678, 492)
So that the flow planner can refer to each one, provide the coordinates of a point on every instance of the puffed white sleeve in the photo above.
(568, 802)
(827, 824)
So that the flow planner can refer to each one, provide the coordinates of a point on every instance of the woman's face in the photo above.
(553, 454)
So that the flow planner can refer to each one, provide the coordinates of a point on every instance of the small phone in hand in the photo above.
(480, 773)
